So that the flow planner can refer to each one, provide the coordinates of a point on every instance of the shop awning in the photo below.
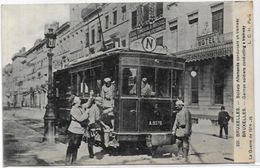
(207, 52)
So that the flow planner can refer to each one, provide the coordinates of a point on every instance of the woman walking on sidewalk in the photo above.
(75, 130)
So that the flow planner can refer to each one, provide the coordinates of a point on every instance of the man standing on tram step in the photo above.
(223, 118)
(107, 95)
(94, 113)
(182, 130)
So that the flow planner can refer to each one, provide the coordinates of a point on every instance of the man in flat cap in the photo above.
(223, 118)
(182, 129)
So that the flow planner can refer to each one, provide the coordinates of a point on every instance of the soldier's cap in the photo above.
(76, 100)
(107, 80)
(144, 79)
(179, 102)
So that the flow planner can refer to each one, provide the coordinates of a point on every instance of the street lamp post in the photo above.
(49, 117)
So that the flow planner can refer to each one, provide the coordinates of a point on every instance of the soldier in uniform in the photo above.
(94, 113)
(223, 118)
(75, 130)
(182, 129)
(107, 94)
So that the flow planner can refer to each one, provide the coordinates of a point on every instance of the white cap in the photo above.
(76, 100)
(144, 79)
(107, 80)
(179, 102)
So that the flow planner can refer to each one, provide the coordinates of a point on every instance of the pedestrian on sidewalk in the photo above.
(182, 130)
(223, 119)
(75, 130)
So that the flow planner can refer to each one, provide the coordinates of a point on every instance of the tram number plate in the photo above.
(155, 122)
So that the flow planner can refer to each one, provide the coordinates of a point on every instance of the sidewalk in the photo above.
(205, 146)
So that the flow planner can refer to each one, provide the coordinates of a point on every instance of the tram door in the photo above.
(129, 113)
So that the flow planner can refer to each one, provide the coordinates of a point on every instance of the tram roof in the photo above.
(117, 51)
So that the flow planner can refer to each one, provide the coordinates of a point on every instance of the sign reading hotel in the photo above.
(208, 39)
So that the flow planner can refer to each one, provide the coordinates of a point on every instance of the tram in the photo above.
(141, 118)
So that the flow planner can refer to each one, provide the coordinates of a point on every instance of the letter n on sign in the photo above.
(149, 43)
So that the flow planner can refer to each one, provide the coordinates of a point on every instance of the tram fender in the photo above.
(158, 139)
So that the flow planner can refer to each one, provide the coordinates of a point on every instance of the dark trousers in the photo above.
(72, 150)
(225, 126)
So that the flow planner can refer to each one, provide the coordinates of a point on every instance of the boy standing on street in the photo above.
(223, 118)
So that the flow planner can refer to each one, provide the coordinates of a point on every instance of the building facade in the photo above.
(199, 32)
(202, 34)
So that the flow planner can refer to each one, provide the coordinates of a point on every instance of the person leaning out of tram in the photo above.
(182, 130)
(75, 129)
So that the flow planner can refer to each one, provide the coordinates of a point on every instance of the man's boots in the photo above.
(90, 151)
(74, 156)
(185, 153)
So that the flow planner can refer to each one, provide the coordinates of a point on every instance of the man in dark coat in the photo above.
(223, 118)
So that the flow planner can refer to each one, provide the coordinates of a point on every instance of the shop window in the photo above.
(159, 41)
(217, 21)
(134, 19)
(124, 13)
(159, 9)
(93, 36)
(114, 17)
(147, 81)
(107, 21)
(129, 81)
(194, 89)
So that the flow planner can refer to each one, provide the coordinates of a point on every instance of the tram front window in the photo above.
(147, 83)
(129, 81)
(163, 82)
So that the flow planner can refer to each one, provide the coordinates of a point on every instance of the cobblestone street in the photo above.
(23, 133)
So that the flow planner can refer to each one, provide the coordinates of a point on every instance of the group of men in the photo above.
(99, 113)
(96, 116)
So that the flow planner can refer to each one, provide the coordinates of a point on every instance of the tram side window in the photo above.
(86, 86)
(163, 82)
(97, 83)
(129, 81)
(74, 84)
(147, 81)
